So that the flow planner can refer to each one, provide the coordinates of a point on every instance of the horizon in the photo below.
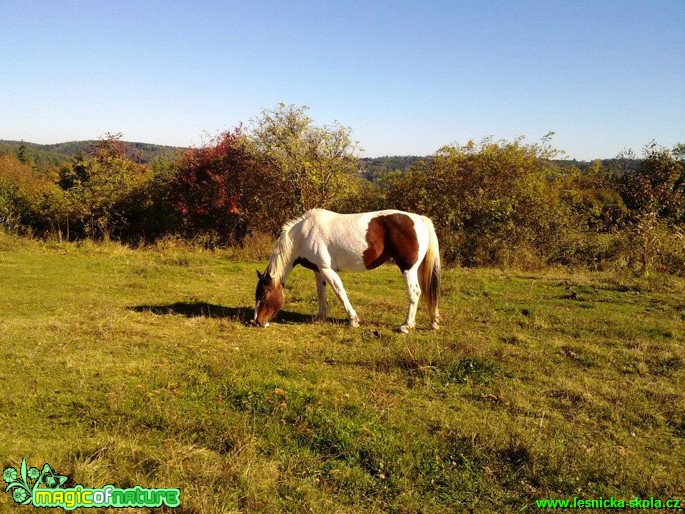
(561, 157)
(407, 78)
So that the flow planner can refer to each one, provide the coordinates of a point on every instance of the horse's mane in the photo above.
(283, 251)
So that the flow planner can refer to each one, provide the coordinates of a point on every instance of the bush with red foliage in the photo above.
(224, 190)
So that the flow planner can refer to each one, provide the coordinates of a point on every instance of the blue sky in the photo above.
(407, 77)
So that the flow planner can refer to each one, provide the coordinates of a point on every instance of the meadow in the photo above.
(139, 367)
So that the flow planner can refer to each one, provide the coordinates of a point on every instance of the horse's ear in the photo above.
(259, 275)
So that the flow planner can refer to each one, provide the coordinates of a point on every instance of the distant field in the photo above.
(138, 367)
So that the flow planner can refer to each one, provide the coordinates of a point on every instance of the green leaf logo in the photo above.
(52, 479)
(9, 475)
(24, 482)
(20, 495)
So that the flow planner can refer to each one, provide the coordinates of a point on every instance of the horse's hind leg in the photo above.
(321, 295)
(333, 279)
(411, 279)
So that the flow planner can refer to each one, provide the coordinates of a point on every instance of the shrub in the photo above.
(101, 192)
(316, 165)
(225, 189)
(488, 200)
(657, 185)
(27, 199)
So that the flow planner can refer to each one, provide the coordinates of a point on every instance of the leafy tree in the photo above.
(225, 189)
(74, 173)
(22, 154)
(657, 187)
(655, 191)
(99, 191)
(489, 200)
(594, 199)
(149, 209)
(317, 163)
(27, 198)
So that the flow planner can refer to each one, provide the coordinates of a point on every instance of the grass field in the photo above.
(139, 367)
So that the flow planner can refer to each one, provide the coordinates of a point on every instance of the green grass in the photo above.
(125, 367)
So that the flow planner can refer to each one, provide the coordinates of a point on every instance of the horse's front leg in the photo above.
(321, 295)
(333, 279)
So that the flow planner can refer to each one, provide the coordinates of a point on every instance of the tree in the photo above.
(316, 162)
(226, 189)
(74, 173)
(99, 190)
(593, 198)
(655, 191)
(22, 154)
(657, 186)
(489, 200)
(27, 197)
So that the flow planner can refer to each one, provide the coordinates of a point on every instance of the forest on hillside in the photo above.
(43, 157)
(506, 203)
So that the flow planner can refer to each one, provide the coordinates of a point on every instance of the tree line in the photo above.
(493, 202)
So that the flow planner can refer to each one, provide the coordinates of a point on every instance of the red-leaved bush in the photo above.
(224, 190)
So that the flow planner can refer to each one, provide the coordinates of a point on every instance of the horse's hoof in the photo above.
(354, 323)
(404, 329)
(320, 317)
(435, 326)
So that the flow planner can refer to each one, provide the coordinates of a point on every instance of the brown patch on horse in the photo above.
(305, 264)
(269, 297)
(391, 236)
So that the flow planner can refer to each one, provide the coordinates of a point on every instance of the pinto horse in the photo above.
(327, 242)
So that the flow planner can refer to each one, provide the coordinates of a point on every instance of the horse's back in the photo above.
(363, 241)
(333, 240)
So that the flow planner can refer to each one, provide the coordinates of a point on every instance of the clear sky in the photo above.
(407, 77)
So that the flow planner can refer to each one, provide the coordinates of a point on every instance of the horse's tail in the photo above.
(429, 273)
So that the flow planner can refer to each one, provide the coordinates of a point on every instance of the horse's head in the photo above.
(269, 298)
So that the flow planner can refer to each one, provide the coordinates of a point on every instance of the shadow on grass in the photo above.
(210, 310)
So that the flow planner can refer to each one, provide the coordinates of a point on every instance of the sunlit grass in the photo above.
(134, 367)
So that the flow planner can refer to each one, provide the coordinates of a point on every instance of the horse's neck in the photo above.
(281, 260)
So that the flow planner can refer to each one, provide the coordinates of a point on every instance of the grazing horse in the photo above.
(327, 242)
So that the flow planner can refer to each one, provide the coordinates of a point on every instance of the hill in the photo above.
(371, 168)
(54, 154)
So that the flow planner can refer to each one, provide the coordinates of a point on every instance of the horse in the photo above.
(327, 242)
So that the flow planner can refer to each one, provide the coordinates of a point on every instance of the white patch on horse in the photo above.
(328, 242)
